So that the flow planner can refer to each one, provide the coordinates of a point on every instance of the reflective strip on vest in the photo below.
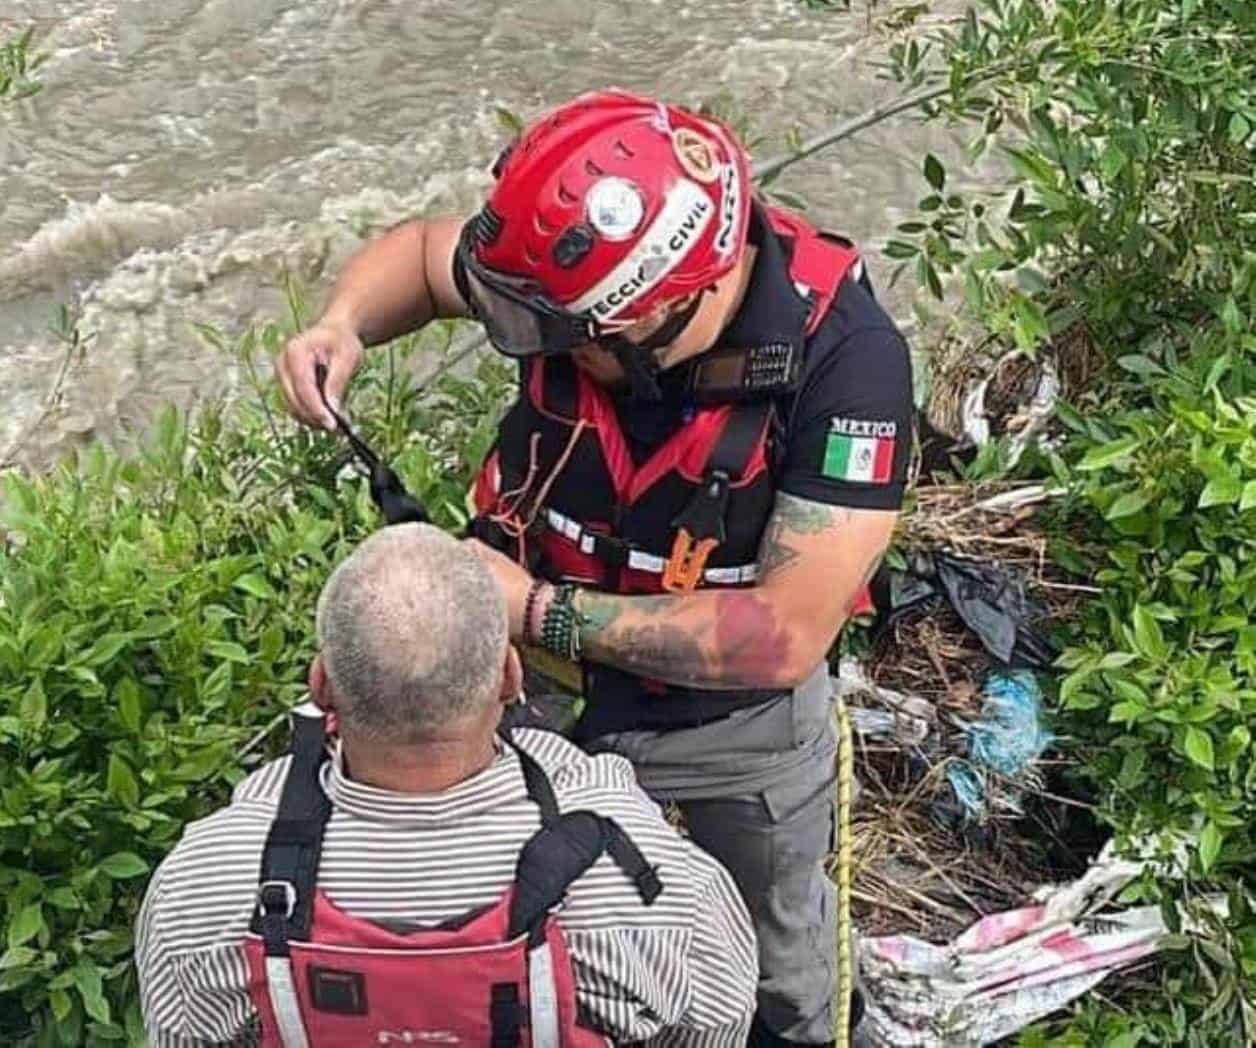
(639, 560)
(284, 1001)
(542, 997)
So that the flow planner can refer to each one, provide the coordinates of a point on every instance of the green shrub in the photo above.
(1129, 127)
(156, 618)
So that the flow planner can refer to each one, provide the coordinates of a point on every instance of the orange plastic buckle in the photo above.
(685, 566)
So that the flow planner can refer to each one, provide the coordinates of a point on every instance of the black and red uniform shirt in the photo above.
(845, 436)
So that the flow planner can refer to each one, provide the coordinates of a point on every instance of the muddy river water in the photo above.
(184, 152)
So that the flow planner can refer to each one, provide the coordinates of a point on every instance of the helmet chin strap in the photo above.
(637, 358)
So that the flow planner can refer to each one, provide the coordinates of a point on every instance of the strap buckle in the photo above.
(700, 530)
(274, 896)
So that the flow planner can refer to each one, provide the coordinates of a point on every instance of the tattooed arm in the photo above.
(813, 561)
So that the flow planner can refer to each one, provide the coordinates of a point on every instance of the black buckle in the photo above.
(277, 898)
(703, 518)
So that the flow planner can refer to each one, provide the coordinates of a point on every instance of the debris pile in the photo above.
(960, 815)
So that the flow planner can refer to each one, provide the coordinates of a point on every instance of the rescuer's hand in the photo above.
(330, 343)
(513, 580)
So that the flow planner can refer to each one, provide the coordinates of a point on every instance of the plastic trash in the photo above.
(904, 721)
(1002, 748)
(992, 601)
(1010, 969)
(1030, 418)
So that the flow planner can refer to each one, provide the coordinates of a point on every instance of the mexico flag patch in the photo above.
(860, 450)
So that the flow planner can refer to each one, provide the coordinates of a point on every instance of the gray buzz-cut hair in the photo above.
(413, 633)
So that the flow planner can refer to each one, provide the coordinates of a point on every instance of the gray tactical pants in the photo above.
(757, 792)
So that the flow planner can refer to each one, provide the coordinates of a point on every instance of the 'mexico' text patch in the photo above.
(860, 450)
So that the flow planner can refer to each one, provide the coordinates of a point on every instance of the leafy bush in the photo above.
(1129, 127)
(155, 621)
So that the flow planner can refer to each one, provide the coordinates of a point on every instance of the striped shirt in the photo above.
(680, 972)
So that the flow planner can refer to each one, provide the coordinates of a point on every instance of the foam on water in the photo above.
(185, 154)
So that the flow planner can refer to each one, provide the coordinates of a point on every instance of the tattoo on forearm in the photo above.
(742, 645)
(794, 516)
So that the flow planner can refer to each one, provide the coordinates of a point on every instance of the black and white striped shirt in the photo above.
(680, 972)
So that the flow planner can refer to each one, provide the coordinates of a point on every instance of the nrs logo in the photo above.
(728, 209)
(417, 1037)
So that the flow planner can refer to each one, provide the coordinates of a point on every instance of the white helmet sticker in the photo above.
(686, 213)
(614, 207)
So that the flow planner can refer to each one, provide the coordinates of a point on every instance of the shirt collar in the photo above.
(772, 310)
(500, 783)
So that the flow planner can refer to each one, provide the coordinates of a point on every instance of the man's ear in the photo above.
(512, 676)
(321, 691)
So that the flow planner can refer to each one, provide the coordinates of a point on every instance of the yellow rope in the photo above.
(845, 848)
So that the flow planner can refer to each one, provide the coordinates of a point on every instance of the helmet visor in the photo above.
(517, 317)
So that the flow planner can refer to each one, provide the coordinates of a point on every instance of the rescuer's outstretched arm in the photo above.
(394, 284)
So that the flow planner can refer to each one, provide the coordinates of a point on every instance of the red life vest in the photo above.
(560, 491)
(321, 978)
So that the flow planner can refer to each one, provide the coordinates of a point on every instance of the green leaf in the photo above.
(1108, 454)
(90, 984)
(120, 782)
(1112, 161)
(1126, 505)
(229, 650)
(61, 1004)
(508, 120)
(1223, 489)
(122, 865)
(126, 698)
(1239, 128)
(1209, 846)
(255, 585)
(33, 710)
(1248, 499)
(935, 172)
(1147, 634)
(28, 923)
(104, 649)
(1138, 364)
(1198, 746)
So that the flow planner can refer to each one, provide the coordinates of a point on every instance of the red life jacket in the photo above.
(560, 491)
(503, 978)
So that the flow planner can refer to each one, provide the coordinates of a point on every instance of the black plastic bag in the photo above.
(991, 600)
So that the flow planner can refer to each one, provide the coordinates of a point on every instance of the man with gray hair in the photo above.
(426, 811)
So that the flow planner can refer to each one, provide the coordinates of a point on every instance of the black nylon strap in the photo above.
(628, 858)
(540, 792)
(289, 866)
(736, 445)
(505, 1016)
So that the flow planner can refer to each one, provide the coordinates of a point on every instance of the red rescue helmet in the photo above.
(604, 208)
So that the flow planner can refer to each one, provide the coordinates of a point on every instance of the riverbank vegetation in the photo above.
(155, 610)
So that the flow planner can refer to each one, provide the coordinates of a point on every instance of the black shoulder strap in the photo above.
(736, 444)
(289, 867)
(560, 852)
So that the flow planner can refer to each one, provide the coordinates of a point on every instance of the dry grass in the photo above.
(913, 874)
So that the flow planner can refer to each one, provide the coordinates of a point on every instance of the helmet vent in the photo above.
(593, 169)
(622, 151)
(488, 226)
(566, 195)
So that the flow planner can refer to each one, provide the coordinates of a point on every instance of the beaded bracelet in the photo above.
(529, 608)
(558, 628)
